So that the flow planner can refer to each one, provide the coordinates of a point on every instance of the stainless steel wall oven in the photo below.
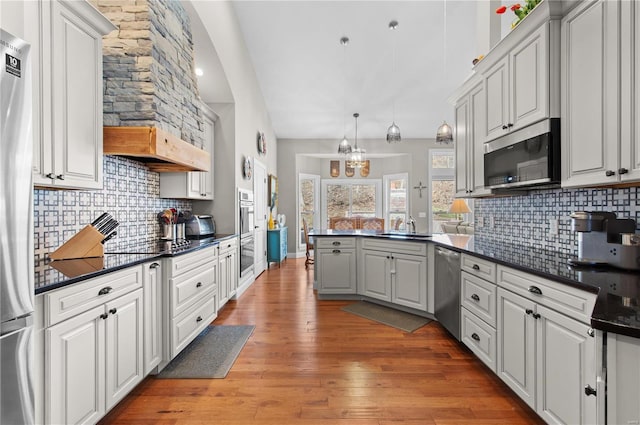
(247, 230)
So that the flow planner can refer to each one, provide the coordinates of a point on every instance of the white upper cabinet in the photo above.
(68, 95)
(630, 91)
(517, 86)
(194, 184)
(590, 139)
(469, 149)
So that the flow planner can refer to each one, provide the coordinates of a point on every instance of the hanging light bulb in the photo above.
(356, 158)
(393, 132)
(445, 134)
(344, 147)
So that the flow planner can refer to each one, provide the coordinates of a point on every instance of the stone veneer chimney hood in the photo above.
(152, 110)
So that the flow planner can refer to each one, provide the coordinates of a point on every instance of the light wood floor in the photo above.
(310, 363)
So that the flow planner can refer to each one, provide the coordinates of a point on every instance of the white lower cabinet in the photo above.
(395, 272)
(228, 270)
(191, 301)
(95, 357)
(547, 358)
(152, 285)
(623, 379)
(335, 265)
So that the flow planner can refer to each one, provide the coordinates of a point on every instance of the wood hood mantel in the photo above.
(157, 148)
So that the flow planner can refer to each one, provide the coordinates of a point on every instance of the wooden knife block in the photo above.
(86, 243)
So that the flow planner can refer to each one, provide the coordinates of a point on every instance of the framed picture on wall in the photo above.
(273, 191)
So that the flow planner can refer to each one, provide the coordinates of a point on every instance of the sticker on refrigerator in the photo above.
(13, 65)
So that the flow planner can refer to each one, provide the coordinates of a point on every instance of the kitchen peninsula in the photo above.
(535, 300)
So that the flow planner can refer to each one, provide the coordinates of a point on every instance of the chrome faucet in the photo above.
(412, 223)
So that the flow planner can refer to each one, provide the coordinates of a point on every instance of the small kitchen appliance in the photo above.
(200, 226)
(604, 239)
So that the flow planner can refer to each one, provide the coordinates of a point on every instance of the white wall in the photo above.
(294, 158)
(240, 122)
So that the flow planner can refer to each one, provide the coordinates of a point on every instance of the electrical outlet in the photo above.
(480, 221)
(492, 222)
(553, 226)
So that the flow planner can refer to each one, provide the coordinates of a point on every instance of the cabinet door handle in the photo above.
(388, 258)
(104, 316)
(535, 290)
(113, 311)
(476, 267)
(588, 390)
(336, 243)
(529, 311)
(510, 125)
(51, 176)
(199, 284)
(610, 173)
(504, 127)
(336, 251)
(199, 319)
(536, 316)
(475, 336)
(475, 297)
(60, 177)
(622, 171)
(105, 290)
(154, 266)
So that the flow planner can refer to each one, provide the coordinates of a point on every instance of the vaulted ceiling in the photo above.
(312, 85)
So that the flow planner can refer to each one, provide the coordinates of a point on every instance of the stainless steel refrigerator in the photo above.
(16, 234)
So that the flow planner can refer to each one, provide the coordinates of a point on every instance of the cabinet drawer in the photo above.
(190, 286)
(69, 301)
(182, 263)
(564, 299)
(478, 267)
(347, 242)
(227, 245)
(479, 297)
(479, 337)
(416, 248)
(188, 325)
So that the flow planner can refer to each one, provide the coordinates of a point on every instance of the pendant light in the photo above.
(357, 157)
(344, 147)
(445, 134)
(393, 132)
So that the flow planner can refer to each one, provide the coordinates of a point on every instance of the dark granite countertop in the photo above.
(51, 274)
(617, 307)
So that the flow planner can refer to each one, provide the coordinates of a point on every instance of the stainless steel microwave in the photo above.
(526, 157)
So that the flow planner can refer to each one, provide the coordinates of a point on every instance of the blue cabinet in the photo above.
(276, 245)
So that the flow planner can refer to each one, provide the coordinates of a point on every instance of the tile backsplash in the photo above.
(130, 195)
(525, 220)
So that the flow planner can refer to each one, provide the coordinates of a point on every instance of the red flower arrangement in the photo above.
(519, 10)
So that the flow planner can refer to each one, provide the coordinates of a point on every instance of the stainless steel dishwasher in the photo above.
(447, 290)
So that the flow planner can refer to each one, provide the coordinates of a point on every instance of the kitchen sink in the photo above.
(407, 235)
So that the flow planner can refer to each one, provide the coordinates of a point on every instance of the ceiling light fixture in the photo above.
(199, 72)
(344, 147)
(445, 134)
(357, 157)
(393, 132)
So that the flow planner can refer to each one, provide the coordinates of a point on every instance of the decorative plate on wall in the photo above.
(262, 144)
(247, 169)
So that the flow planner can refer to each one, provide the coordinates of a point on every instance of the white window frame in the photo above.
(387, 197)
(349, 182)
(316, 207)
(437, 174)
